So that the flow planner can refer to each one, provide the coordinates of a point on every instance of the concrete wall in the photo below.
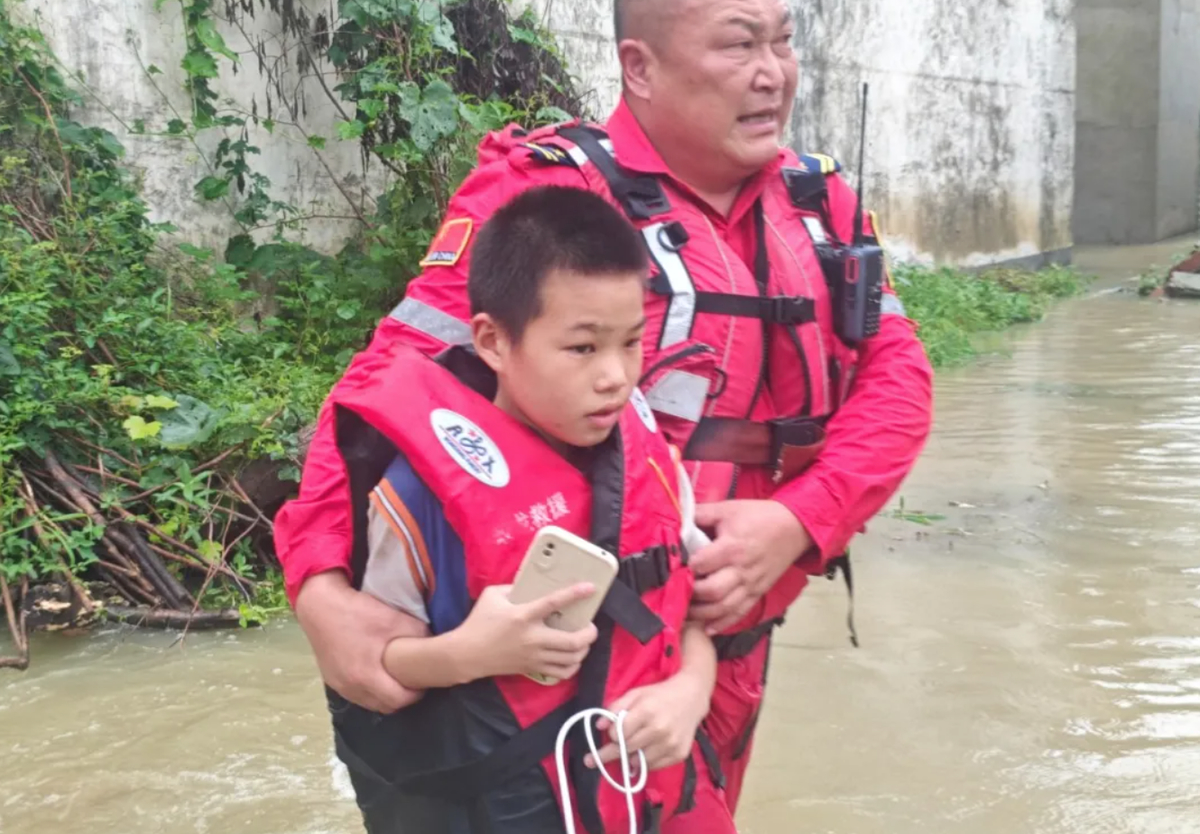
(969, 156)
(110, 41)
(972, 120)
(972, 130)
(1178, 119)
(1137, 162)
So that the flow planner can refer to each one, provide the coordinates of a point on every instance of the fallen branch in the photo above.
(123, 542)
(174, 619)
(16, 626)
(32, 509)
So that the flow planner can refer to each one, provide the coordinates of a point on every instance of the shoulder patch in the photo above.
(450, 243)
(550, 154)
(470, 448)
(820, 163)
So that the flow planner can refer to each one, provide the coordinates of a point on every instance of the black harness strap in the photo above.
(741, 644)
(842, 563)
(712, 759)
(641, 196)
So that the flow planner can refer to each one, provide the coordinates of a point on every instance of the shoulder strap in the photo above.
(808, 191)
(641, 196)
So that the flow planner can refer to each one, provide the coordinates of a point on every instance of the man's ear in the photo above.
(490, 340)
(637, 67)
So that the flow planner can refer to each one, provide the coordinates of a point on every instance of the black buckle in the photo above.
(791, 309)
(642, 197)
(646, 571)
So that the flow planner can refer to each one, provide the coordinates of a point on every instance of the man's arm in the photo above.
(871, 445)
(876, 436)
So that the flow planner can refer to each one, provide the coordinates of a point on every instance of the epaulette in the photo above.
(820, 163)
(550, 154)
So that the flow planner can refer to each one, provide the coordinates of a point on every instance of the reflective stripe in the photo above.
(432, 322)
(679, 394)
(580, 158)
(892, 306)
(681, 308)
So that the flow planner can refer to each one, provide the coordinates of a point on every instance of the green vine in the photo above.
(153, 411)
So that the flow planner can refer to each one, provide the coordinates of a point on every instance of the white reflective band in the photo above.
(681, 309)
(679, 394)
(892, 306)
(432, 322)
(815, 230)
(580, 158)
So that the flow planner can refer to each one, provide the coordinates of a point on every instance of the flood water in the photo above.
(1030, 662)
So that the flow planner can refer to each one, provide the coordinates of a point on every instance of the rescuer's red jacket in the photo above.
(699, 365)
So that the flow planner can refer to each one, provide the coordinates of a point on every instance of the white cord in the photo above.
(625, 788)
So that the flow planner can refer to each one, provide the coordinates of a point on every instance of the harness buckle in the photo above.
(790, 309)
(642, 197)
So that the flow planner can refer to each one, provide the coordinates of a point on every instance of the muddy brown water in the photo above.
(1030, 663)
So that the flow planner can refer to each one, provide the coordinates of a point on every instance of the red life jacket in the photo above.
(498, 483)
(725, 328)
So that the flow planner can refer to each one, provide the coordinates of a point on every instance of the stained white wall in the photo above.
(971, 150)
(110, 42)
(971, 147)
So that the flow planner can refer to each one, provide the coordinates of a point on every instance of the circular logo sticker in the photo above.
(638, 401)
(471, 449)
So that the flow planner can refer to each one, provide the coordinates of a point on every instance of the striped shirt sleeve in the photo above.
(398, 572)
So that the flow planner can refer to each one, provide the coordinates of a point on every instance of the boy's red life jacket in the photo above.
(475, 747)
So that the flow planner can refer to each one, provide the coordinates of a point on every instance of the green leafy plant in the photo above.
(953, 305)
(141, 391)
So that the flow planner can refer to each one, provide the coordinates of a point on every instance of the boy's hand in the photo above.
(502, 638)
(662, 722)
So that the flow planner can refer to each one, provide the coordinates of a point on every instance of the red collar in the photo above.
(635, 151)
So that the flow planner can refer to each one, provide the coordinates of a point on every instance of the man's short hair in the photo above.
(541, 230)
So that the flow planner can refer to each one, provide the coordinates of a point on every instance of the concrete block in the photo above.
(1115, 177)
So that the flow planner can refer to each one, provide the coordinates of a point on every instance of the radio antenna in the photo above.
(862, 147)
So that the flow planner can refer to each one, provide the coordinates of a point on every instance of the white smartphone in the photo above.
(558, 559)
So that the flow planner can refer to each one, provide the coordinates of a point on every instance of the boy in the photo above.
(556, 289)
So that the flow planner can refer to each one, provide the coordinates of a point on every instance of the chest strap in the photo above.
(786, 446)
(641, 196)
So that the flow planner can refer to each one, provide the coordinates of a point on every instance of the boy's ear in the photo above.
(490, 340)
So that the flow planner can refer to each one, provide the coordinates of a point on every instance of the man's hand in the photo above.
(662, 722)
(756, 542)
(348, 631)
(503, 638)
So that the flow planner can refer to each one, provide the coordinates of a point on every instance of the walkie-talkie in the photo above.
(854, 273)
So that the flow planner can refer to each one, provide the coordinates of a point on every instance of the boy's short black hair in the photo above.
(540, 230)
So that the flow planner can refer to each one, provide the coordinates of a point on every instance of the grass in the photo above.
(953, 306)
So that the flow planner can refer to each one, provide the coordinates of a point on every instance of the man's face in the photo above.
(576, 364)
(723, 82)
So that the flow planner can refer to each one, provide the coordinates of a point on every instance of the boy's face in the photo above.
(576, 364)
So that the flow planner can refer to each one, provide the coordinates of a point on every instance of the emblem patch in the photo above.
(638, 401)
(471, 449)
(451, 242)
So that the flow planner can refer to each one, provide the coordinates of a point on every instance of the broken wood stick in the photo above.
(162, 618)
(16, 625)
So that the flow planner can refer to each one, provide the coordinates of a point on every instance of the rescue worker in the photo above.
(792, 437)
(541, 424)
